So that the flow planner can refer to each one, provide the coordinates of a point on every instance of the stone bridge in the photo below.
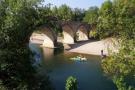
(75, 31)
(72, 32)
(47, 37)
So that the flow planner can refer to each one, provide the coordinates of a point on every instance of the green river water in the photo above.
(59, 67)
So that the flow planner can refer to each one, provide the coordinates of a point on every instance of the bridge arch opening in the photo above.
(68, 34)
(82, 33)
(45, 36)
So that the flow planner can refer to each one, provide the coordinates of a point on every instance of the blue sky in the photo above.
(76, 3)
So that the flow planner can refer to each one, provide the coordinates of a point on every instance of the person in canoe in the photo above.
(83, 59)
(79, 58)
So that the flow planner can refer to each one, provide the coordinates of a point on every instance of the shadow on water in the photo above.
(59, 67)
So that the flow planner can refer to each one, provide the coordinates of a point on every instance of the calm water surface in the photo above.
(58, 66)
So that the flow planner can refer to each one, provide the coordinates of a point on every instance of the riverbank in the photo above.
(95, 47)
(92, 47)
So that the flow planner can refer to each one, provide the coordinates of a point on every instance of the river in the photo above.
(59, 67)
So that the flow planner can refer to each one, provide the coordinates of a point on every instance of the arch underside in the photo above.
(49, 38)
(82, 34)
(68, 35)
(44, 36)
(48, 42)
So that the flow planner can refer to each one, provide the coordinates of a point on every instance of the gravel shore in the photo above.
(95, 47)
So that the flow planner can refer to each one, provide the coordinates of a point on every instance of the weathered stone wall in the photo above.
(82, 33)
(50, 38)
(75, 31)
(72, 32)
(68, 34)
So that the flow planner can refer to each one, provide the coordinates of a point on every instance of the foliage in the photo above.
(18, 19)
(91, 15)
(106, 20)
(93, 34)
(125, 18)
(43, 14)
(71, 83)
(65, 13)
(78, 14)
(117, 19)
(120, 66)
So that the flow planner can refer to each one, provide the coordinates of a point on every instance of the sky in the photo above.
(84, 4)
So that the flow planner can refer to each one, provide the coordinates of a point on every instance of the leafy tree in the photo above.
(106, 20)
(91, 17)
(44, 14)
(78, 14)
(120, 66)
(65, 13)
(55, 11)
(125, 18)
(18, 19)
(71, 83)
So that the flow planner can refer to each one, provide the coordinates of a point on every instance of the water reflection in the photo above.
(43, 53)
(58, 66)
(48, 53)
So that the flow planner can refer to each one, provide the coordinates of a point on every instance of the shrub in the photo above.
(71, 83)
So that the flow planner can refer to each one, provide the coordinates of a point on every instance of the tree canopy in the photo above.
(91, 15)
(106, 20)
(18, 19)
(120, 66)
(71, 83)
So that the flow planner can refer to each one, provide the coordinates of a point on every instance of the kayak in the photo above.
(78, 59)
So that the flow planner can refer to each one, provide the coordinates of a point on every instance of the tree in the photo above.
(71, 83)
(106, 20)
(18, 19)
(55, 11)
(91, 17)
(43, 14)
(125, 18)
(78, 14)
(120, 66)
(65, 13)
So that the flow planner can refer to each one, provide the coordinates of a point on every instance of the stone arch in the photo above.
(48, 36)
(82, 33)
(68, 34)
(50, 39)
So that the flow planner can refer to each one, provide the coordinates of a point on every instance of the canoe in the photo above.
(78, 59)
